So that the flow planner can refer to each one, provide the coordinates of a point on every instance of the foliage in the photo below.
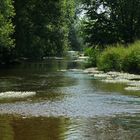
(42, 27)
(119, 58)
(6, 30)
(93, 53)
(74, 40)
(131, 61)
(111, 59)
(111, 21)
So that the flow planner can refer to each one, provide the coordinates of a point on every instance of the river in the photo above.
(68, 105)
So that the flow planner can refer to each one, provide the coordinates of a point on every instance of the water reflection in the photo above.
(113, 128)
(12, 128)
(113, 88)
(42, 77)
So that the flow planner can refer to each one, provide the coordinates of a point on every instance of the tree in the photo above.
(42, 27)
(75, 40)
(6, 30)
(111, 21)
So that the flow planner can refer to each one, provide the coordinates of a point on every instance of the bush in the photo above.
(93, 54)
(120, 58)
(111, 59)
(131, 61)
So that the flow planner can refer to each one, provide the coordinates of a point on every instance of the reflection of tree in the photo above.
(6, 130)
(34, 129)
(74, 65)
(113, 87)
(30, 75)
(109, 87)
(49, 65)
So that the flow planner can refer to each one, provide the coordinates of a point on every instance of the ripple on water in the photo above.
(89, 105)
(120, 127)
(84, 109)
(16, 94)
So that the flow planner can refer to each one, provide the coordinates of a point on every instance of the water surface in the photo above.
(69, 105)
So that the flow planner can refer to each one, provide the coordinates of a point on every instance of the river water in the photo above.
(68, 105)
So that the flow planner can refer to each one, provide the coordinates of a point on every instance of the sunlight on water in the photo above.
(68, 104)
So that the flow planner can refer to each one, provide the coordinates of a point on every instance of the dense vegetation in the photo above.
(6, 30)
(119, 58)
(38, 28)
(42, 27)
(111, 21)
(110, 29)
(116, 58)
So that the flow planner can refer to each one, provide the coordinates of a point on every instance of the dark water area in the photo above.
(68, 105)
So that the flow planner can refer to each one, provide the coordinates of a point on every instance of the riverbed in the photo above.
(68, 105)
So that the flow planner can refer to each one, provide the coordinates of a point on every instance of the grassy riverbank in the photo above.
(116, 58)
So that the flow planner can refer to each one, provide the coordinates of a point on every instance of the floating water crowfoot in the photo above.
(131, 80)
(16, 94)
(132, 88)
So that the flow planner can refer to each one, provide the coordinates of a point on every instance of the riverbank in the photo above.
(132, 81)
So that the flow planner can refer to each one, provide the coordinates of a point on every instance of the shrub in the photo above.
(93, 54)
(131, 61)
(120, 58)
(116, 58)
(111, 59)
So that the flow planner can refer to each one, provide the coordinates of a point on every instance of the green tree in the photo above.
(75, 40)
(42, 27)
(6, 30)
(111, 21)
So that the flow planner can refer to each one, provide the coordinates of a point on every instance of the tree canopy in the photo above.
(6, 29)
(42, 26)
(38, 28)
(111, 21)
